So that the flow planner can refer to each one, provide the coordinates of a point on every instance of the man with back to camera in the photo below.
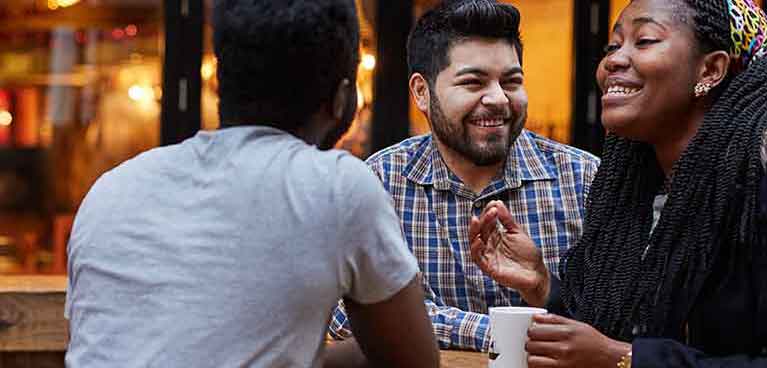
(231, 248)
(465, 60)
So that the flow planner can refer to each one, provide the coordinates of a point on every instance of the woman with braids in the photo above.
(671, 270)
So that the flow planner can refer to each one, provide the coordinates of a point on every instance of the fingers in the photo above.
(477, 248)
(551, 318)
(484, 224)
(545, 329)
(537, 361)
(549, 333)
(505, 217)
(474, 228)
(546, 349)
(488, 223)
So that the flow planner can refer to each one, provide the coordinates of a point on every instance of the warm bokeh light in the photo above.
(131, 30)
(360, 97)
(368, 62)
(118, 33)
(141, 93)
(55, 4)
(208, 68)
(80, 37)
(5, 118)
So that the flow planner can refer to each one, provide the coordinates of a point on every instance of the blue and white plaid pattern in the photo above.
(545, 185)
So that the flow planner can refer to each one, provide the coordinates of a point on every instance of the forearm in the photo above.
(541, 294)
(453, 328)
(344, 354)
(457, 329)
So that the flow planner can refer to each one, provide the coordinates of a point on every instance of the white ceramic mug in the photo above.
(509, 334)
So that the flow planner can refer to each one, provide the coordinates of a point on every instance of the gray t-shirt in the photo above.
(228, 250)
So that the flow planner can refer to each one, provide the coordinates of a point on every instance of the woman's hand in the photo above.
(556, 341)
(508, 255)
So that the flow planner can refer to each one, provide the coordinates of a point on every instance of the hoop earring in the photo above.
(702, 89)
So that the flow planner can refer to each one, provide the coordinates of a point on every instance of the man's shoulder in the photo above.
(401, 153)
(347, 174)
(130, 168)
(134, 175)
(343, 162)
(562, 152)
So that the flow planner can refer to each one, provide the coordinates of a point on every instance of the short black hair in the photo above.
(279, 61)
(451, 22)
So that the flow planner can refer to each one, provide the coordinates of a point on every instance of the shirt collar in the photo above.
(420, 168)
(525, 162)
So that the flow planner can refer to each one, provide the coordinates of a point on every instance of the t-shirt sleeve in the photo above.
(89, 215)
(375, 260)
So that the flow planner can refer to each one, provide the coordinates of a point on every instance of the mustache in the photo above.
(494, 112)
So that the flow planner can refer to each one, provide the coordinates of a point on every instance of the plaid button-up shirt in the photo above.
(544, 185)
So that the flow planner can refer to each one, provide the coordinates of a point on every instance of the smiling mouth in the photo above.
(620, 91)
(488, 123)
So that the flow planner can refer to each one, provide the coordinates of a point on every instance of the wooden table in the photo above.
(462, 359)
(34, 333)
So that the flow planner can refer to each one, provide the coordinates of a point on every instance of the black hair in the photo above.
(450, 22)
(280, 61)
(629, 281)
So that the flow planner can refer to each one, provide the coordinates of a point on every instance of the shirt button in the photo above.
(477, 205)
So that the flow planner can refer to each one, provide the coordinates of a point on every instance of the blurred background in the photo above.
(87, 84)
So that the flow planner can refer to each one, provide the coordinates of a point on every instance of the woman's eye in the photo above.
(469, 82)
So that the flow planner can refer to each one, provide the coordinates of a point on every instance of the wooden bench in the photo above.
(34, 333)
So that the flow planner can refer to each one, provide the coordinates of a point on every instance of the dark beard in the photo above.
(350, 110)
(456, 136)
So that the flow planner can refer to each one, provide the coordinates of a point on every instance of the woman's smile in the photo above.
(619, 91)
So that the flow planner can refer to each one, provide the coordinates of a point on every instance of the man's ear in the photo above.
(714, 69)
(419, 88)
(341, 98)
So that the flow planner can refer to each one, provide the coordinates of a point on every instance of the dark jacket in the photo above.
(727, 328)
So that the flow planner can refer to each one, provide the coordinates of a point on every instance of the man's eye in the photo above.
(646, 41)
(469, 82)
(513, 81)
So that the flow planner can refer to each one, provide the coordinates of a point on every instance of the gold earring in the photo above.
(702, 89)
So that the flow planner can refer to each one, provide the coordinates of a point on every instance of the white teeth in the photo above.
(485, 123)
(619, 90)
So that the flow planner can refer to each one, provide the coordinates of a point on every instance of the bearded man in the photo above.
(466, 76)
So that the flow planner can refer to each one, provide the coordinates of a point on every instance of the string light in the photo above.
(368, 62)
(5, 118)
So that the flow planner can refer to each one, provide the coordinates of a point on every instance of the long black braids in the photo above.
(629, 282)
